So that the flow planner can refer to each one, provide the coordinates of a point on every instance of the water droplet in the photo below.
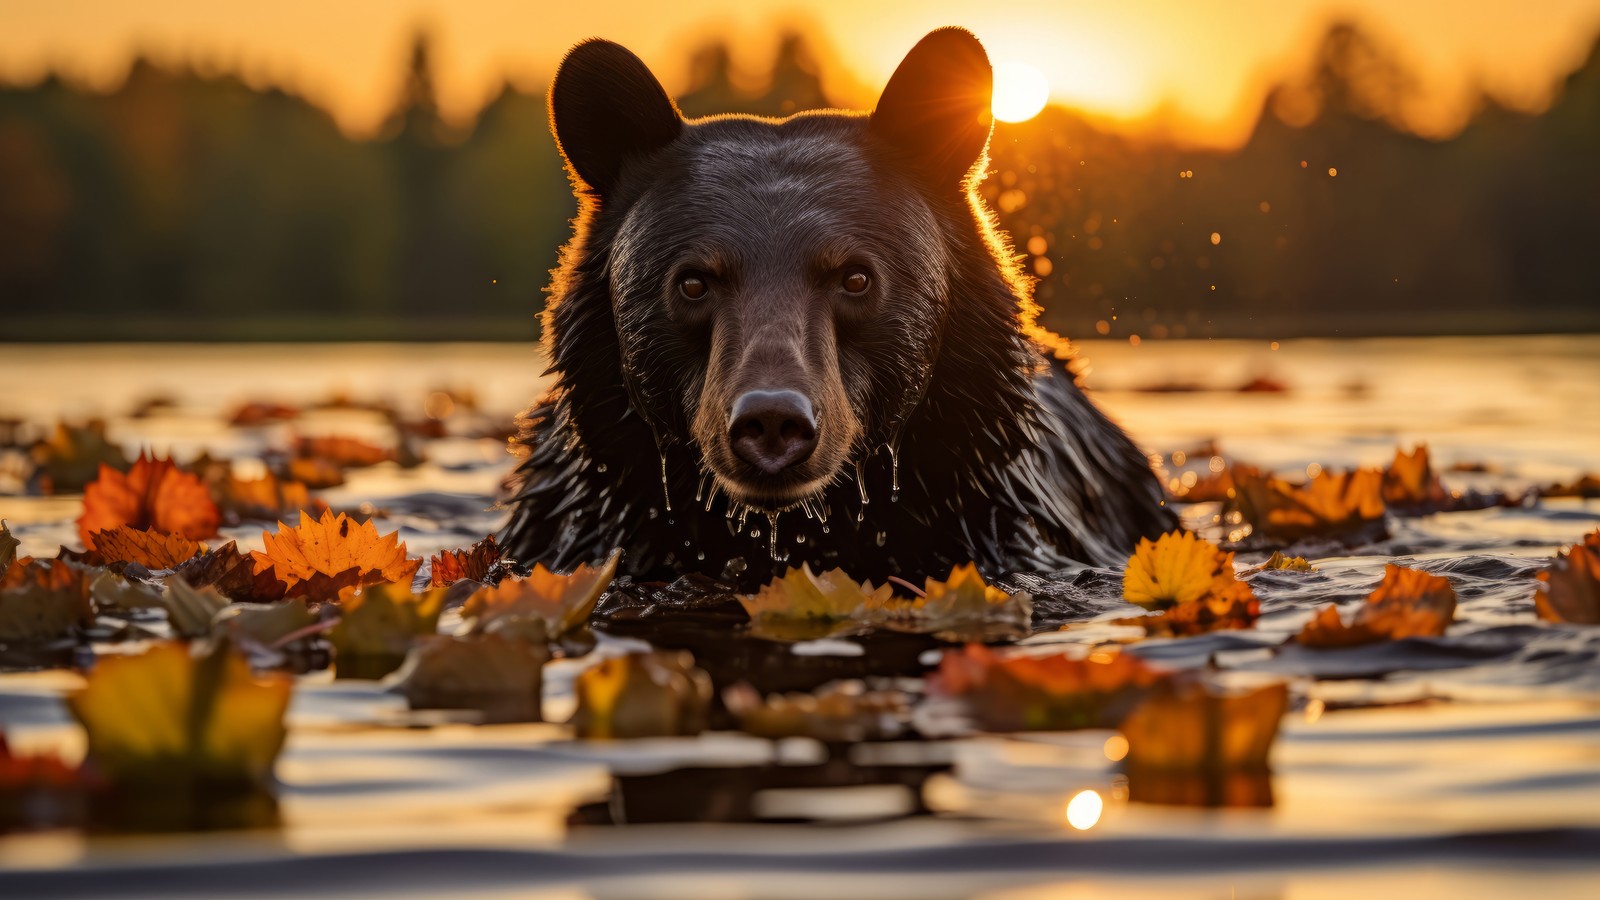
(755, 532)
(772, 535)
(601, 468)
(882, 536)
(861, 480)
(824, 529)
(894, 468)
(700, 556)
(653, 513)
(799, 538)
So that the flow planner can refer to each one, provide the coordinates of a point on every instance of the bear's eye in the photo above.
(856, 281)
(693, 286)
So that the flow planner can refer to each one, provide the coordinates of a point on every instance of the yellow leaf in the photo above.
(383, 620)
(166, 716)
(561, 602)
(963, 607)
(802, 605)
(654, 694)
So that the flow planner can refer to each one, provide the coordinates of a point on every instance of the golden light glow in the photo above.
(1020, 91)
(1083, 810)
(1116, 747)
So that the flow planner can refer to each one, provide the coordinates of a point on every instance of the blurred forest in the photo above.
(191, 206)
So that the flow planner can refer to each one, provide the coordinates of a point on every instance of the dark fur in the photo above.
(1001, 458)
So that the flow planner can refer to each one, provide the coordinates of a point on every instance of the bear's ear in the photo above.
(935, 110)
(605, 108)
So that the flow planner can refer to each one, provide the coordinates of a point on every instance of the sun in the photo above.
(1020, 91)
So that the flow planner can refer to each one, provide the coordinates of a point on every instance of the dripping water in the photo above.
(772, 535)
(665, 493)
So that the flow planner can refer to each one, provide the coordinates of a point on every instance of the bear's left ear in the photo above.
(935, 110)
(605, 108)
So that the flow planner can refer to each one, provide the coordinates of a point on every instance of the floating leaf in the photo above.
(1191, 581)
(73, 456)
(165, 716)
(482, 562)
(1407, 603)
(317, 474)
(560, 603)
(111, 591)
(154, 495)
(654, 694)
(42, 599)
(962, 607)
(1410, 481)
(1330, 504)
(8, 548)
(343, 452)
(267, 497)
(383, 621)
(233, 574)
(1043, 693)
(1278, 562)
(151, 549)
(190, 610)
(802, 605)
(498, 674)
(262, 626)
(258, 412)
(1569, 590)
(1188, 725)
(843, 711)
(335, 547)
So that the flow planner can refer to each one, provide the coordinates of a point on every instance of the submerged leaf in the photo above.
(1569, 590)
(1407, 603)
(1043, 693)
(320, 557)
(560, 603)
(165, 716)
(802, 605)
(655, 694)
(1188, 725)
(154, 495)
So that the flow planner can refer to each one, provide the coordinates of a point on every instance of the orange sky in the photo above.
(1203, 62)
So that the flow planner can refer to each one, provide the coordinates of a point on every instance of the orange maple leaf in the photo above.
(1329, 504)
(1407, 603)
(154, 495)
(334, 547)
(151, 549)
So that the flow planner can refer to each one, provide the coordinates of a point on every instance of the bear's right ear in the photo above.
(605, 108)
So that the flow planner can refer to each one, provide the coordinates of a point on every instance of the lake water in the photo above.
(1463, 766)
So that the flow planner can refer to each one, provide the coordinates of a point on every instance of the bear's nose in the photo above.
(772, 430)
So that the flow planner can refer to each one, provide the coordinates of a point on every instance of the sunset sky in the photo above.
(1204, 65)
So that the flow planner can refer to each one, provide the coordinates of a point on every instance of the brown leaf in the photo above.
(151, 549)
(497, 674)
(654, 694)
(322, 552)
(234, 575)
(73, 456)
(260, 412)
(344, 452)
(154, 495)
(1407, 603)
(840, 712)
(42, 599)
(1569, 590)
(482, 562)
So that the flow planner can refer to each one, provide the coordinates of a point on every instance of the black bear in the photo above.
(805, 340)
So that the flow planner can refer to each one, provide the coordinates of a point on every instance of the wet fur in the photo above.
(1001, 457)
